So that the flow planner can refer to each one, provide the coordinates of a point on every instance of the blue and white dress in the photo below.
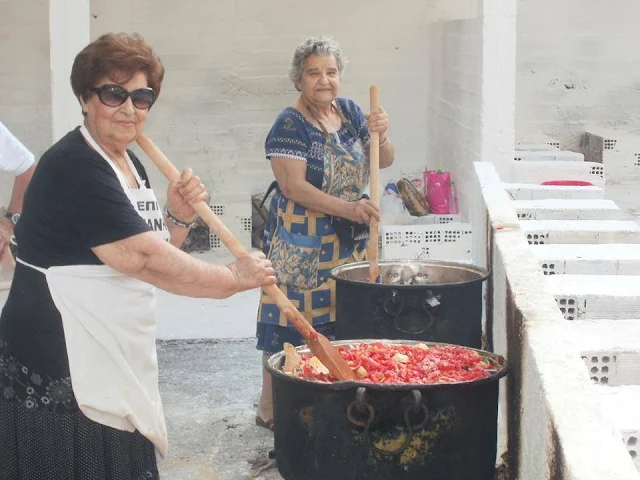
(301, 243)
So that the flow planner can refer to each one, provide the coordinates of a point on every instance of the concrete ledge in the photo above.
(556, 426)
(580, 231)
(582, 297)
(567, 209)
(530, 191)
(602, 259)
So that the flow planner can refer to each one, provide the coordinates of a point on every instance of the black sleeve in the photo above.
(93, 204)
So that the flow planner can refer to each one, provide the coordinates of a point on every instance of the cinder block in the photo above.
(540, 232)
(556, 209)
(582, 297)
(529, 191)
(537, 147)
(617, 150)
(548, 155)
(598, 259)
(620, 405)
(610, 349)
(543, 171)
(538, 141)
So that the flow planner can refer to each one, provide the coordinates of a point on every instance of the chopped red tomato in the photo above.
(415, 364)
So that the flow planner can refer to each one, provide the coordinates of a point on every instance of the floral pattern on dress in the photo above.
(296, 265)
(34, 390)
(345, 173)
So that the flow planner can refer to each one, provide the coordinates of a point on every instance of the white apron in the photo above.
(109, 322)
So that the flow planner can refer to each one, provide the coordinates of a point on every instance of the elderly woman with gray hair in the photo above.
(318, 217)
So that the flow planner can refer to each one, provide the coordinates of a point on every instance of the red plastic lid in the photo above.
(568, 183)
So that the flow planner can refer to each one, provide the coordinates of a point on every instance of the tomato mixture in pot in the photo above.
(397, 364)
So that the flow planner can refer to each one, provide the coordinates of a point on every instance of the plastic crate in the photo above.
(237, 217)
(447, 241)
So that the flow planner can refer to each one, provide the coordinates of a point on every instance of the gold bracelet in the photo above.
(386, 137)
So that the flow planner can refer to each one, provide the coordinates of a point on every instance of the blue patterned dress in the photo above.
(301, 243)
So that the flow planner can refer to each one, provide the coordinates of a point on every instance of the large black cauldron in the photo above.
(364, 431)
(444, 303)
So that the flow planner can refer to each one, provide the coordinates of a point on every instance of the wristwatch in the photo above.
(14, 217)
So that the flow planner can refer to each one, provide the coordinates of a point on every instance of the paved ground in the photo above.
(209, 389)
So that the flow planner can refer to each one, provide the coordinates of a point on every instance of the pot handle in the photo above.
(415, 407)
(393, 304)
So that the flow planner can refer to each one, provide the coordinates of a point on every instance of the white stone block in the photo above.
(530, 191)
(595, 297)
(610, 348)
(560, 209)
(537, 140)
(548, 155)
(539, 232)
(589, 259)
(622, 167)
(617, 150)
(543, 171)
(621, 406)
(536, 147)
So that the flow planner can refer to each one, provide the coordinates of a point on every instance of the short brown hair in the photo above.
(118, 56)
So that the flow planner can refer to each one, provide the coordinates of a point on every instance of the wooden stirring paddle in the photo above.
(374, 161)
(319, 345)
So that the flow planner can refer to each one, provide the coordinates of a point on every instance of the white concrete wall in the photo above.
(25, 105)
(470, 99)
(227, 64)
(227, 74)
(578, 64)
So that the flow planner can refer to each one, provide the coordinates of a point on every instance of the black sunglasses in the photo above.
(113, 95)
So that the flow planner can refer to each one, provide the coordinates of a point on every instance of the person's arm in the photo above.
(378, 121)
(387, 151)
(181, 195)
(291, 177)
(148, 258)
(20, 185)
(17, 160)
(15, 206)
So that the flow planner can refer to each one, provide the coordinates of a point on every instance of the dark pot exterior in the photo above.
(354, 430)
(447, 309)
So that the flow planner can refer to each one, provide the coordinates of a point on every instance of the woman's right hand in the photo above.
(363, 211)
(252, 271)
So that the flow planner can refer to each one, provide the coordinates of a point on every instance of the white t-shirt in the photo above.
(15, 158)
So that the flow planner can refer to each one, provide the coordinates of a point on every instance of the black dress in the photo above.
(74, 202)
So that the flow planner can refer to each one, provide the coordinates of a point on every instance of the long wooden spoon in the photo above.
(374, 160)
(319, 345)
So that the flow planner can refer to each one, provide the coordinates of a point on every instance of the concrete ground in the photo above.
(209, 389)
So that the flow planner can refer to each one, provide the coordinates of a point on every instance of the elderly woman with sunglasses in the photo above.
(78, 370)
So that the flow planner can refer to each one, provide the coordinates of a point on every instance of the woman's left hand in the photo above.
(378, 121)
(182, 193)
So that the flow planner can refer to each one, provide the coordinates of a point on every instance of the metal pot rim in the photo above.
(482, 272)
(276, 359)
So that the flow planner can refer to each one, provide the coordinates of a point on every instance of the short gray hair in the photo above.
(315, 46)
